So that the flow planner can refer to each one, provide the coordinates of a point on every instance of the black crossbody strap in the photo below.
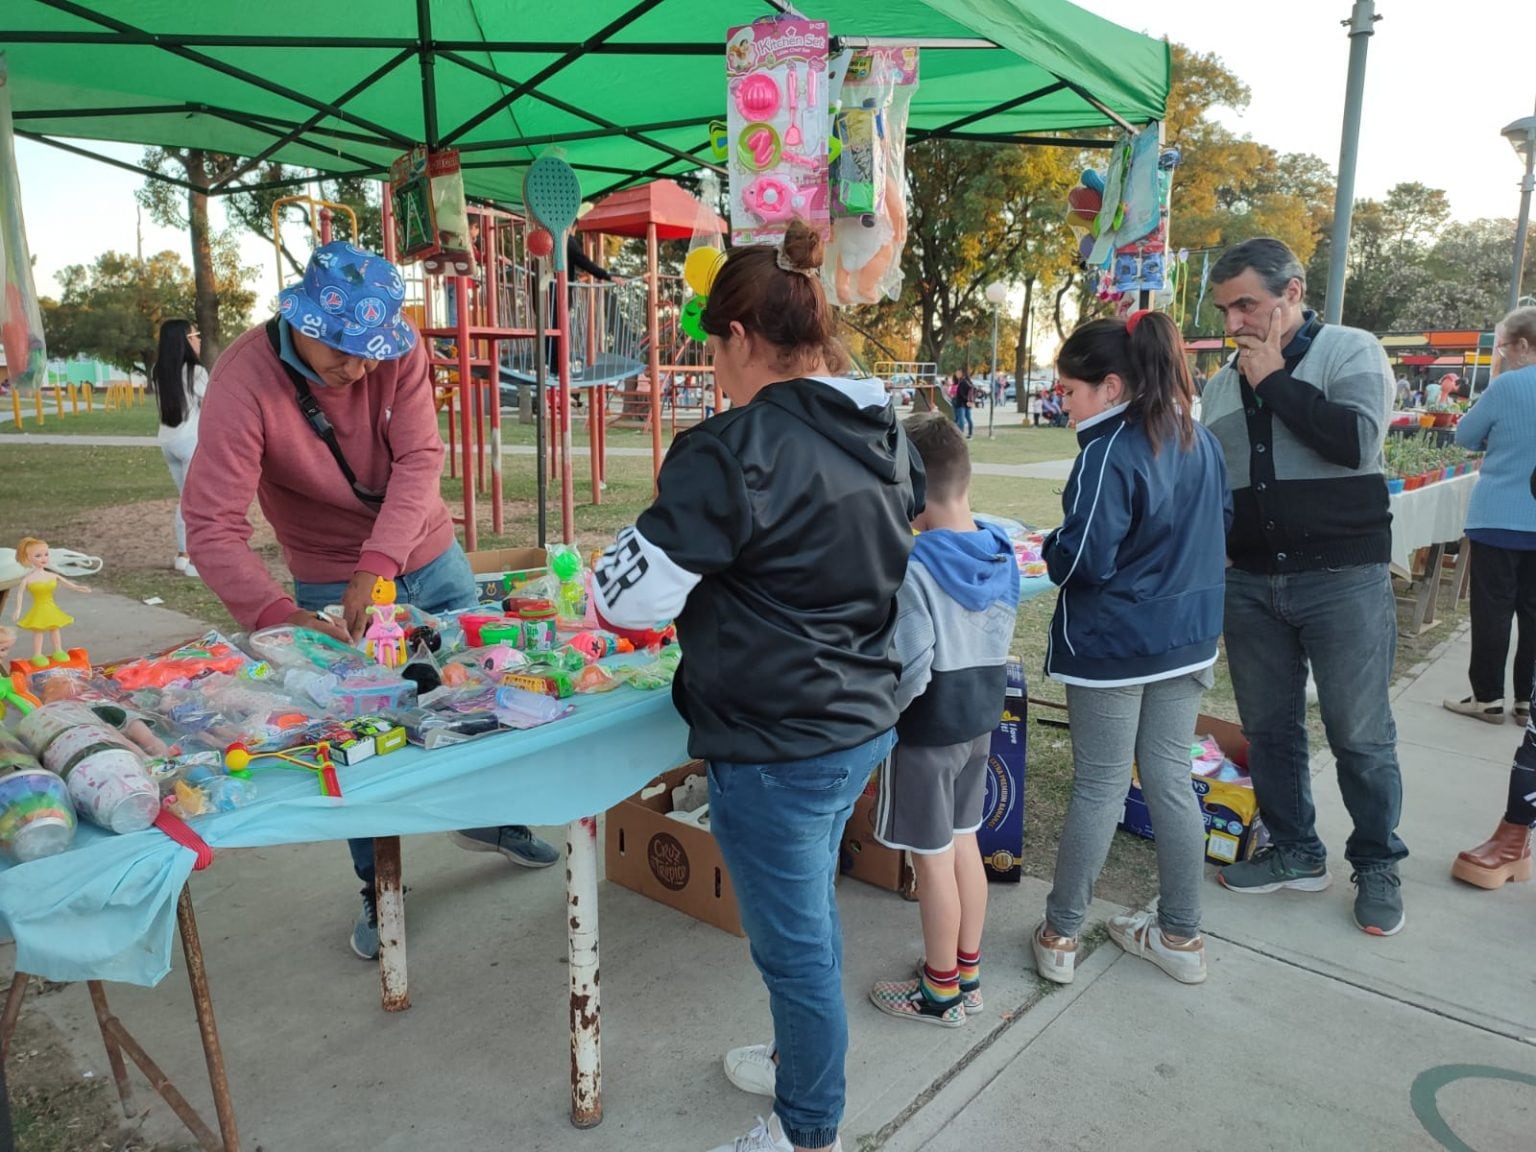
(316, 418)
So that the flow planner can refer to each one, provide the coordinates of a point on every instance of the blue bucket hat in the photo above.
(350, 299)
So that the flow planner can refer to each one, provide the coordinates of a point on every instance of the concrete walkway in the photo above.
(1308, 1034)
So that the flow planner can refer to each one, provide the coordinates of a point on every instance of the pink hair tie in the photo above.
(1134, 319)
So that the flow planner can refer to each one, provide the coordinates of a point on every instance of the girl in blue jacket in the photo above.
(1140, 558)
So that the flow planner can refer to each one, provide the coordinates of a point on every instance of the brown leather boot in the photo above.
(1506, 855)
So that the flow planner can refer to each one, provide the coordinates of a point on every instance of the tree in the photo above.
(202, 170)
(1390, 242)
(1229, 188)
(1464, 281)
(113, 308)
(979, 213)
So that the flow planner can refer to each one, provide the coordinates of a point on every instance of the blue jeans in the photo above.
(442, 585)
(779, 827)
(963, 419)
(1344, 622)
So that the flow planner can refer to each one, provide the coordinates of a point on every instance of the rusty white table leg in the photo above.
(13, 999)
(390, 904)
(202, 1002)
(586, 1031)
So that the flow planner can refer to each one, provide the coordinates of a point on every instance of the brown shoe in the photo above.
(1504, 856)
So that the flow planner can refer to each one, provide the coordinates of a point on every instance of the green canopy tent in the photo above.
(626, 88)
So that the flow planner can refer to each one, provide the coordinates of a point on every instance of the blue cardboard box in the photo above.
(1001, 835)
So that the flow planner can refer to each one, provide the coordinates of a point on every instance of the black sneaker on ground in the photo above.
(1379, 901)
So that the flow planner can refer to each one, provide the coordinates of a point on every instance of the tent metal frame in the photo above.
(427, 51)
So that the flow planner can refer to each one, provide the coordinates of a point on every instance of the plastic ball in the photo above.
(237, 758)
(540, 243)
(565, 565)
(701, 268)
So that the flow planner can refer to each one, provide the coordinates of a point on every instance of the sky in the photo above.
(1442, 80)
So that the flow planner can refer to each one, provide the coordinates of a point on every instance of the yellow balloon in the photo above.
(701, 267)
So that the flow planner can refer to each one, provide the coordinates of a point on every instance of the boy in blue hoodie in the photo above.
(955, 617)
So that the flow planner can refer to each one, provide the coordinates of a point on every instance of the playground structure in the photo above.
(921, 377)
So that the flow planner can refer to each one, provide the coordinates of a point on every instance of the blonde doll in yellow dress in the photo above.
(44, 617)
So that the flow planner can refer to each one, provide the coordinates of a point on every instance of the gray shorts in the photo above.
(930, 795)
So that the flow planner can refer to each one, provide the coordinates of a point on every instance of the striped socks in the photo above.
(969, 971)
(940, 987)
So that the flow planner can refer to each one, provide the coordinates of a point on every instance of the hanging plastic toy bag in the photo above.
(868, 177)
(21, 321)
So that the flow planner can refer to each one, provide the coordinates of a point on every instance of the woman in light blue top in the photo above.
(1501, 525)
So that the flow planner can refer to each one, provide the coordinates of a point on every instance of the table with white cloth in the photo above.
(105, 909)
(1431, 517)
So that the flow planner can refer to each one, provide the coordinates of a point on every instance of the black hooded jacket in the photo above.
(778, 541)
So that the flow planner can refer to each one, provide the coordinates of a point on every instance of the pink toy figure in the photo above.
(44, 617)
(384, 637)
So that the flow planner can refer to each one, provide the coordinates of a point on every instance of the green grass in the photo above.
(1018, 444)
(141, 419)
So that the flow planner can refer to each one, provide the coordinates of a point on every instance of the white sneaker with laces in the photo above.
(767, 1136)
(1141, 935)
(752, 1069)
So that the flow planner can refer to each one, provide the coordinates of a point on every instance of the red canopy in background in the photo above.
(676, 213)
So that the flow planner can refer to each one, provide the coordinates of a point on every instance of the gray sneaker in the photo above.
(1378, 901)
(1271, 869)
(514, 841)
(365, 932)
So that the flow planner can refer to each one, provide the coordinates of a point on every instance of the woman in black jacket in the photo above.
(778, 540)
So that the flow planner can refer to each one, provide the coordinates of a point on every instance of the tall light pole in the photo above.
(1522, 135)
(997, 292)
(1361, 25)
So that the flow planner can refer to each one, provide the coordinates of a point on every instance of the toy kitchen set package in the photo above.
(777, 127)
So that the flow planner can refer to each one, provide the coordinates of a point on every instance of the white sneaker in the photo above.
(1488, 711)
(752, 1069)
(180, 563)
(1055, 956)
(191, 570)
(767, 1136)
(1141, 935)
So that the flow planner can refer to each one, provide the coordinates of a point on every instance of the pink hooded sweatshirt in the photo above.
(254, 442)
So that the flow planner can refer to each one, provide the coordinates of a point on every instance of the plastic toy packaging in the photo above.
(868, 178)
(519, 708)
(106, 777)
(658, 673)
(776, 126)
(220, 710)
(213, 653)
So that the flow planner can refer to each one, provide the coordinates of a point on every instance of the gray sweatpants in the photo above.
(1155, 724)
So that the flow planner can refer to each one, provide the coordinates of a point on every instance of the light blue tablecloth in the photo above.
(106, 909)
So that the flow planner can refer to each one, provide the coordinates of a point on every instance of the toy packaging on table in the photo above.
(197, 728)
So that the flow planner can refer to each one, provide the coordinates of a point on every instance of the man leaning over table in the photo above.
(340, 346)
(1301, 411)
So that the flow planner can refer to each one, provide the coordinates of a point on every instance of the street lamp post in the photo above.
(1522, 136)
(997, 292)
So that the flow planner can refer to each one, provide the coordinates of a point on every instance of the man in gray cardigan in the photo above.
(1301, 411)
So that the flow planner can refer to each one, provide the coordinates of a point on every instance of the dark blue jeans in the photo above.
(442, 585)
(963, 419)
(779, 827)
(1344, 622)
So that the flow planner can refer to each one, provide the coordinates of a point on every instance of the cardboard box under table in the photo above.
(673, 862)
(1233, 830)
